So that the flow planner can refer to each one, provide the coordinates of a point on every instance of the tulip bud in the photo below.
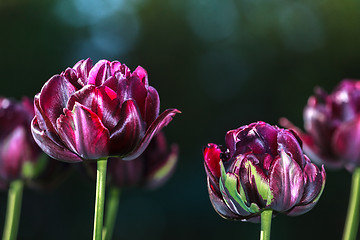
(261, 167)
(332, 126)
(20, 157)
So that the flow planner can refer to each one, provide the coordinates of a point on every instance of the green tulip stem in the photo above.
(352, 219)
(112, 204)
(99, 198)
(266, 217)
(13, 210)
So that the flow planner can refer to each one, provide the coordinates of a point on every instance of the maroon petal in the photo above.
(212, 159)
(50, 147)
(99, 73)
(83, 132)
(100, 100)
(286, 183)
(254, 181)
(164, 170)
(54, 97)
(142, 74)
(152, 105)
(114, 67)
(299, 210)
(128, 132)
(231, 139)
(220, 206)
(160, 122)
(288, 142)
(82, 69)
(11, 159)
(314, 181)
(346, 140)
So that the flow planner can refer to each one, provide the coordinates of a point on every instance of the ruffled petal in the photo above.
(346, 141)
(314, 182)
(163, 120)
(100, 100)
(54, 97)
(212, 159)
(51, 148)
(159, 175)
(152, 105)
(99, 73)
(255, 182)
(11, 159)
(82, 69)
(220, 206)
(83, 132)
(128, 132)
(288, 142)
(286, 183)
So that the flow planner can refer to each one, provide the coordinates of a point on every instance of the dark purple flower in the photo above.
(332, 125)
(92, 112)
(17, 146)
(150, 170)
(261, 167)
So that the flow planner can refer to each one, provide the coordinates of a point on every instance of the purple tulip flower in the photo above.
(261, 167)
(150, 170)
(17, 146)
(91, 112)
(332, 125)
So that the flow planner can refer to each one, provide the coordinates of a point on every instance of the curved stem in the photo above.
(13, 210)
(99, 198)
(266, 217)
(112, 204)
(352, 219)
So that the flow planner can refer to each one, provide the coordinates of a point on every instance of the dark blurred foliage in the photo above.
(222, 63)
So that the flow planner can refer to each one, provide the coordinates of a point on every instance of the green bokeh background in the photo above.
(222, 63)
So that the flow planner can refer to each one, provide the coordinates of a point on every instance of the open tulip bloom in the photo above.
(92, 112)
(259, 173)
(332, 137)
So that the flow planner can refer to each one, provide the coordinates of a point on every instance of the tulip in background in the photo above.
(150, 170)
(93, 112)
(260, 173)
(20, 157)
(332, 137)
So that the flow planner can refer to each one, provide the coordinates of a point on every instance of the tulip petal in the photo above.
(152, 105)
(314, 183)
(346, 140)
(164, 170)
(83, 132)
(100, 100)
(234, 199)
(99, 73)
(286, 183)
(220, 206)
(126, 135)
(255, 182)
(288, 142)
(11, 159)
(212, 159)
(299, 210)
(50, 147)
(82, 69)
(142, 75)
(54, 97)
(161, 121)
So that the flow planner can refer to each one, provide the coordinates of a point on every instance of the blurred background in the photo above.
(223, 63)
